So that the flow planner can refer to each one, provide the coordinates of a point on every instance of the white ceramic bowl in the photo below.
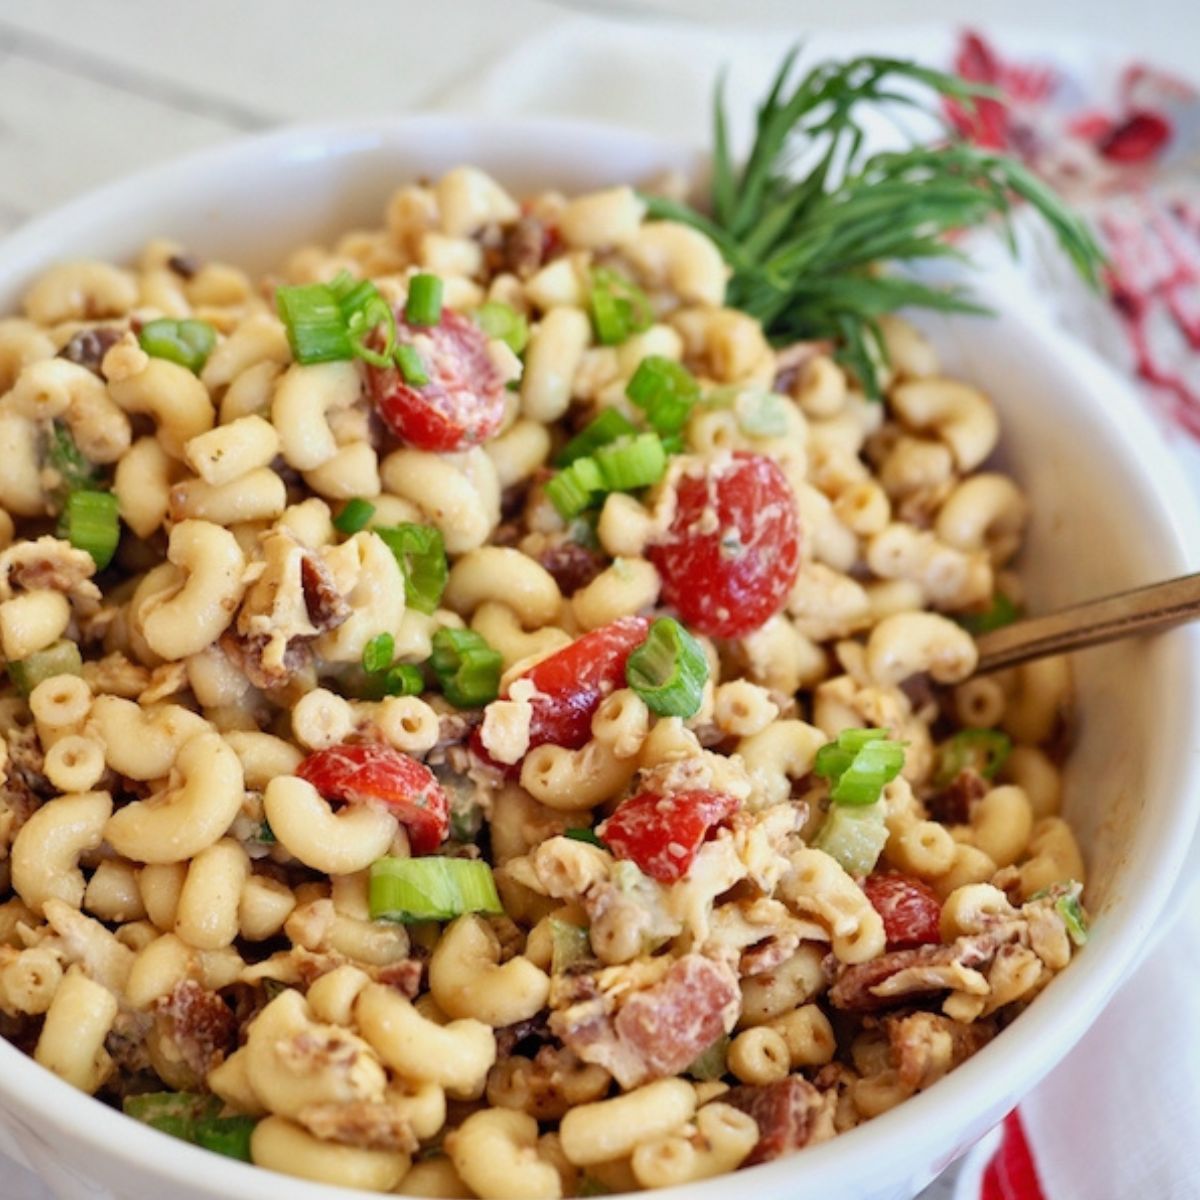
(1110, 511)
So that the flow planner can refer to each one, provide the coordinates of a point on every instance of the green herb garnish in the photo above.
(806, 247)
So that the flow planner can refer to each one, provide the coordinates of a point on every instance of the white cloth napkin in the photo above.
(1117, 1120)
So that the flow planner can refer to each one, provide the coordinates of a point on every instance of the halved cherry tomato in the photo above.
(377, 773)
(912, 914)
(462, 405)
(662, 834)
(730, 556)
(572, 682)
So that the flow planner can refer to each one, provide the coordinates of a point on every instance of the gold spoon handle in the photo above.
(1144, 610)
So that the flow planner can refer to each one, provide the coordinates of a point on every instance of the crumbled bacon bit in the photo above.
(186, 266)
(404, 976)
(572, 565)
(925, 1046)
(375, 1125)
(525, 1034)
(660, 1030)
(784, 1113)
(327, 607)
(952, 805)
(247, 653)
(528, 244)
(89, 346)
(926, 970)
(202, 1026)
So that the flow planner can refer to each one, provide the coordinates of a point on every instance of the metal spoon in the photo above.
(1143, 610)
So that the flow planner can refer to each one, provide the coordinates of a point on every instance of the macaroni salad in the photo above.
(482, 721)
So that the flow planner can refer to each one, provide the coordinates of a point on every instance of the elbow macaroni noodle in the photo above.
(177, 891)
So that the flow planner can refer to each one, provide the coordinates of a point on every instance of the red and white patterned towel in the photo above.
(1118, 1120)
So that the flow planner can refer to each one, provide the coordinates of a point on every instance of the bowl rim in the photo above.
(28, 1088)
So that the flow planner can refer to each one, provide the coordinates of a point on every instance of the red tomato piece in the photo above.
(375, 773)
(662, 834)
(573, 681)
(912, 914)
(730, 556)
(462, 405)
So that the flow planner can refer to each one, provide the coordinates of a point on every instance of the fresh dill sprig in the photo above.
(808, 251)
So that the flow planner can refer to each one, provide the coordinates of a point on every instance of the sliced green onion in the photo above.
(1071, 911)
(61, 658)
(404, 679)
(354, 517)
(712, 1062)
(1002, 612)
(431, 889)
(335, 321)
(424, 303)
(63, 456)
(362, 324)
(378, 653)
(176, 1113)
(668, 670)
(619, 307)
(421, 552)
(466, 818)
(467, 668)
(573, 489)
(632, 463)
(365, 310)
(316, 327)
(265, 835)
(229, 1136)
(583, 834)
(665, 391)
(589, 1185)
(982, 750)
(569, 944)
(411, 367)
(188, 343)
(499, 320)
(401, 679)
(761, 414)
(854, 836)
(610, 425)
(90, 523)
(859, 764)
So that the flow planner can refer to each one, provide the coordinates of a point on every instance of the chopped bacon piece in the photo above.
(572, 565)
(405, 976)
(952, 805)
(925, 1046)
(672, 1023)
(662, 834)
(200, 1024)
(912, 914)
(660, 1030)
(375, 773)
(373, 1124)
(784, 1113)
(903, 975)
